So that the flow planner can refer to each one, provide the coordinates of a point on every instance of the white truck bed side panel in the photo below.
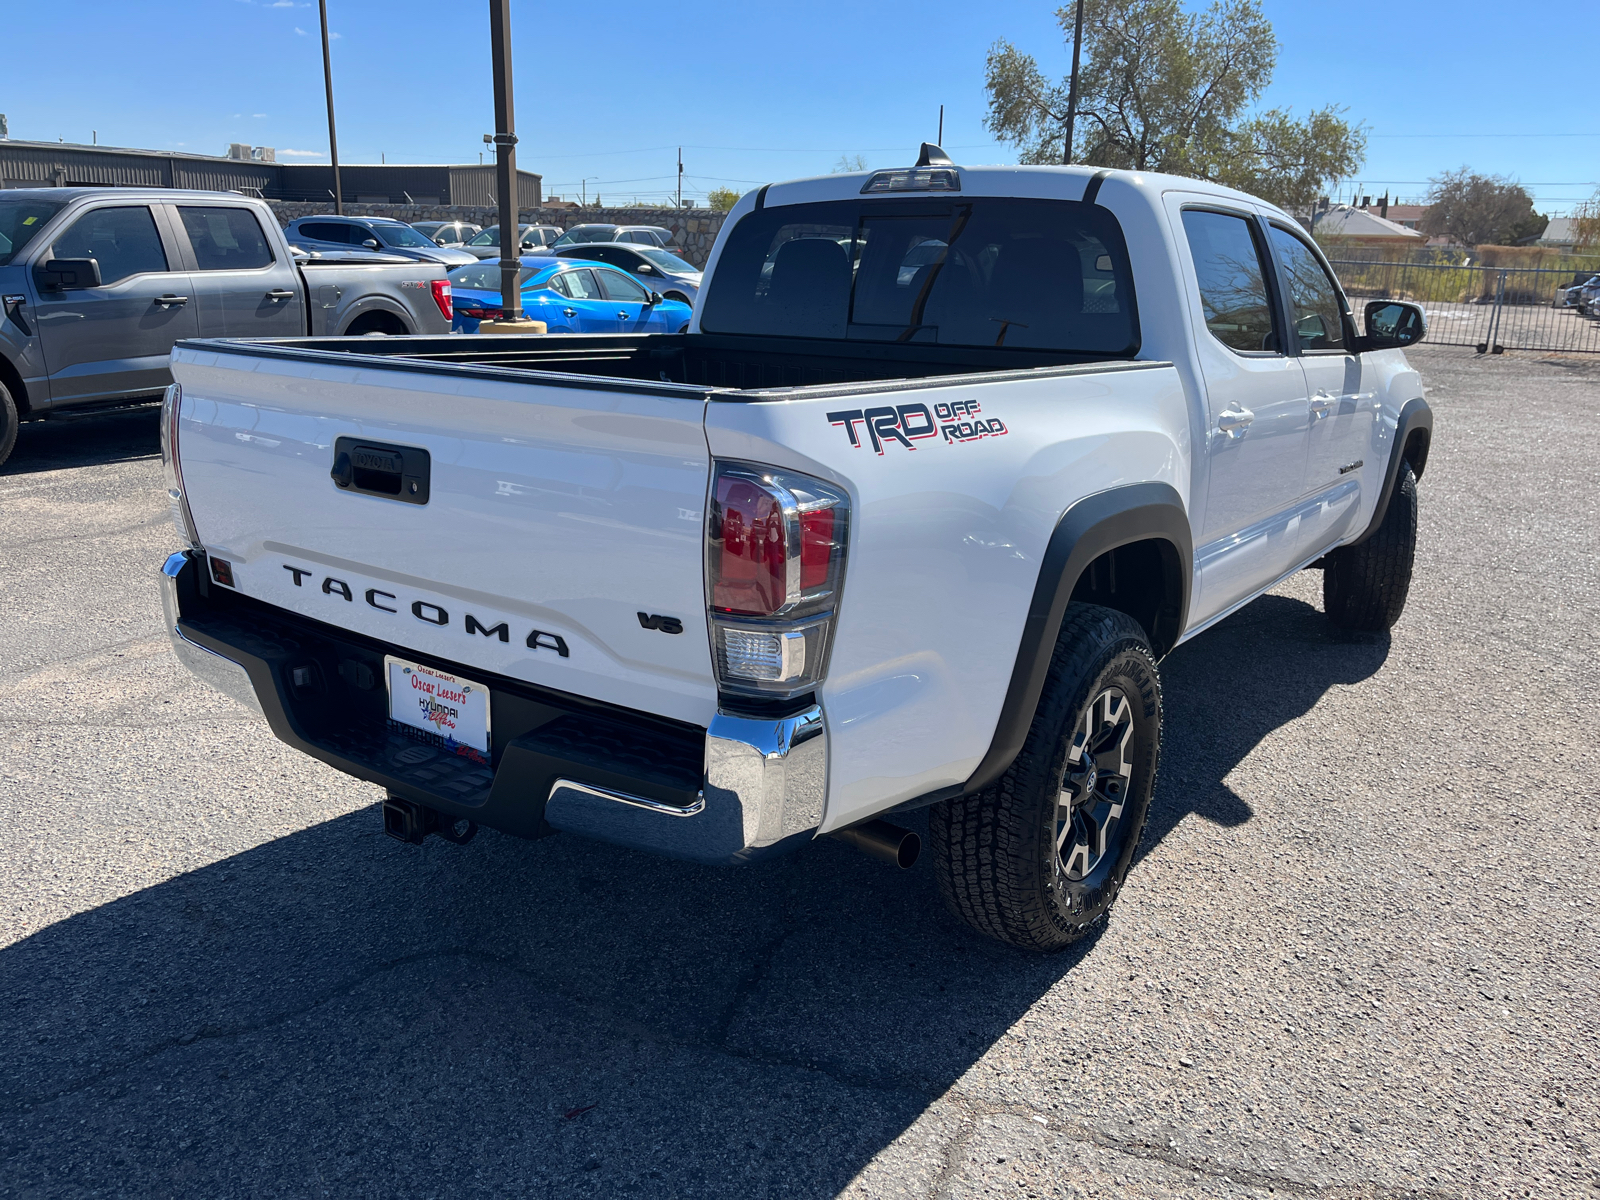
(946, 540)
(563, 510)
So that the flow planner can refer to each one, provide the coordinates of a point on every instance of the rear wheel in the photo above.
(1037, 859)
(1365, 586)
(376, 322)
(679, 297)
(8, 424)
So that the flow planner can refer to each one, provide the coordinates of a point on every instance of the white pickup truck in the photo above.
(947, 460)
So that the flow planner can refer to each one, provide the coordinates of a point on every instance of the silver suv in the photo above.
(321, 234)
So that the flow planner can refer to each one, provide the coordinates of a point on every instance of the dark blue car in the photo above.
(568, 296)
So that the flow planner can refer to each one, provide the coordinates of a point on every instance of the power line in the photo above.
(1482, 135)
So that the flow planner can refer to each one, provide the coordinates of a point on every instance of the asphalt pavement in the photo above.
(1357, 956)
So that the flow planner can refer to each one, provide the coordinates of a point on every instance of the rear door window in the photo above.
(580, 285)
(1017, 274)
(1233, 280)
(1318, 312)
(225, 239)
(326, 231)
(122, 240)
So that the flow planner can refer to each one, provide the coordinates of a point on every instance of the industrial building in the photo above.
(254, 171)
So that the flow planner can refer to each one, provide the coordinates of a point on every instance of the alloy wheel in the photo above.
(1095, 786)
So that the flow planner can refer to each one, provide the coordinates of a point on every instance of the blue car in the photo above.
(569, 296)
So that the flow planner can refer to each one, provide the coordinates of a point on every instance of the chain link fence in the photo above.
(1489, 308)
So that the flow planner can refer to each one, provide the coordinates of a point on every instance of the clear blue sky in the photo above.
(756, 92)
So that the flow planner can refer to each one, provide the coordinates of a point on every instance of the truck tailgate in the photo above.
(555, 515)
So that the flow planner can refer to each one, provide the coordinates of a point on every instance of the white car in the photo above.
(860, 541)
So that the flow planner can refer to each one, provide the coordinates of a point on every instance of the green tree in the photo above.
(1479, 210)
(722, 199)
(1161, 89)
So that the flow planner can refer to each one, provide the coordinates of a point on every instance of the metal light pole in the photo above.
(333, 137)
(505, 155)
(1072, 91)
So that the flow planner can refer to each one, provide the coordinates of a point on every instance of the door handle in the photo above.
(1233, 422)
(171, 301)
(569, 312)
(280, 294)
(1321, 404)
(623, 316)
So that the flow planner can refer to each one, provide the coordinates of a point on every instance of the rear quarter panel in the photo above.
(946, 539)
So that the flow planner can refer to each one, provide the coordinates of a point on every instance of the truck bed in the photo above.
(705, 360)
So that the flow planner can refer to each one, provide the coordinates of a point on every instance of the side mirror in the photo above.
(439, 241)
(655, 298)
(67, 274)
(371, 243)
(1393, 325)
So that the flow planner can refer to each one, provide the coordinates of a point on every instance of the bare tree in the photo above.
(849, 162)
(1162, 89)
(1477, 210)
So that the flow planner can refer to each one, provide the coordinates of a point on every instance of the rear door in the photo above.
(244, 285)
(113, 340)
(587, 306)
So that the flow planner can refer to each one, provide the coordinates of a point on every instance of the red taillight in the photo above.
(441, 296)
(751, 575)
(775, 557)
(816, 547)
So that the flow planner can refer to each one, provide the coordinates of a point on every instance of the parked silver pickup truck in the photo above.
(98, 283)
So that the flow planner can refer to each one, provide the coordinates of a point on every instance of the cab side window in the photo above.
(123, 241)
(1318, 312)
(225, 239)
(1233, 281)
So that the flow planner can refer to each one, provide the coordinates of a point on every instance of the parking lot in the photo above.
(1358, 956)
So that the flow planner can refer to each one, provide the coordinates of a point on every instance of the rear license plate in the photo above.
(450, 708)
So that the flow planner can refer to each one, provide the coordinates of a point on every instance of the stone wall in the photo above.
(694, 230)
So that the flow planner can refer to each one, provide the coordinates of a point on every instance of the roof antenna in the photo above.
(932, 156)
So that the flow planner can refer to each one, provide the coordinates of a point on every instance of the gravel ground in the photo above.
(1357, 957)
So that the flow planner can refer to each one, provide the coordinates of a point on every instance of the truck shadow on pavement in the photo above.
(334, 1013)
(80, 441)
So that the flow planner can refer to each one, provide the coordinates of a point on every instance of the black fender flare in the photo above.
(1098, 523)
(1413, 427)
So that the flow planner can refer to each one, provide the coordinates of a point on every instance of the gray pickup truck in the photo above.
(98, 283)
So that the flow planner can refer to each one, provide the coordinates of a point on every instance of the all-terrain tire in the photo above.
(1365, 586)
(997, 854)
(8, 424)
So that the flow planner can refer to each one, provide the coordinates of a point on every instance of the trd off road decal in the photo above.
(957, 421)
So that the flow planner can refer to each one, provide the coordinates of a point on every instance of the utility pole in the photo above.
(680, 176)
(505, 153)
(1072, 90)
(940, 142)
(333, 137)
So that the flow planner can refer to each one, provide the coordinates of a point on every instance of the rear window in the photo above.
(1023, 274)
